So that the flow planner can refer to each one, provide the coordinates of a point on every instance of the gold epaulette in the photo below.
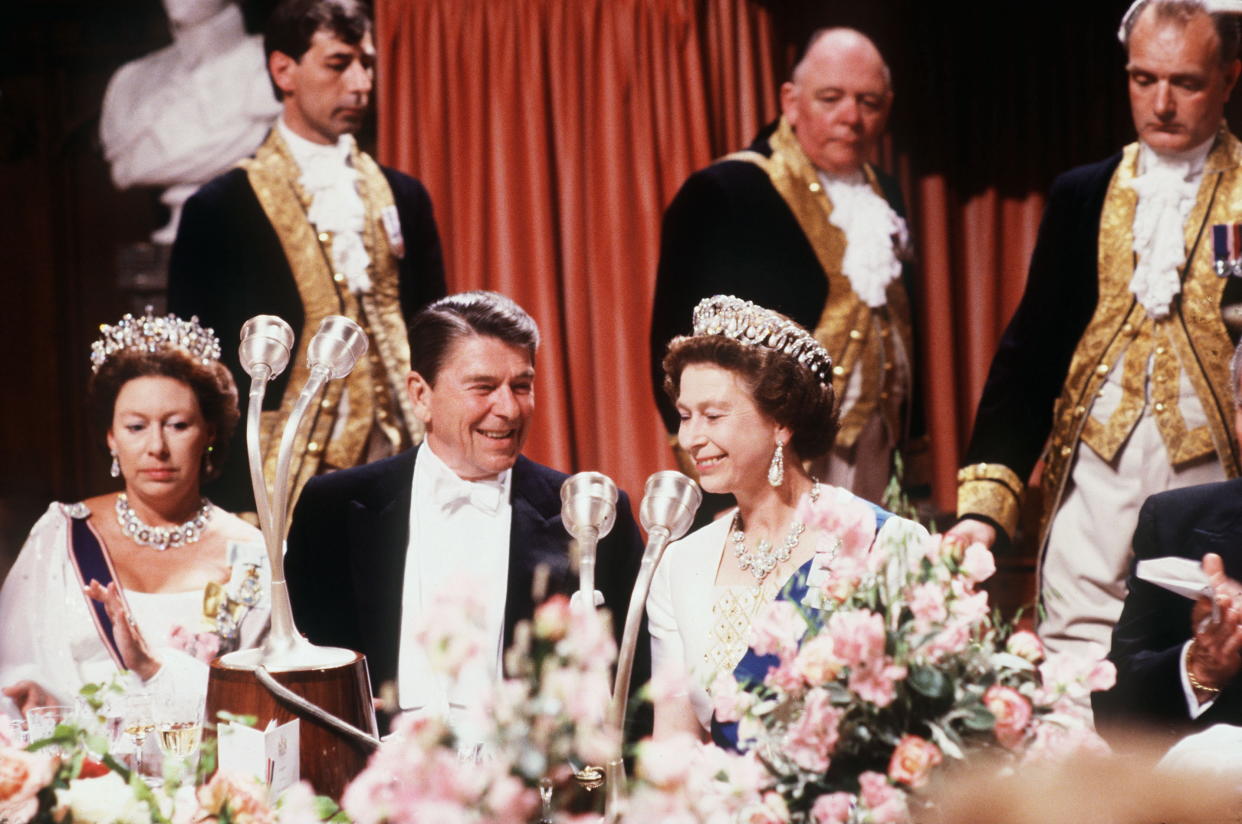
(990, 489)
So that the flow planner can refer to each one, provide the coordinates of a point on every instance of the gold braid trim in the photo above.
(990, 489)
(854, 334)
(273, 175)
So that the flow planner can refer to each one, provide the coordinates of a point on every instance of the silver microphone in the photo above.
(337, 346)
(588, 510)
(670, 500)
(266, 341)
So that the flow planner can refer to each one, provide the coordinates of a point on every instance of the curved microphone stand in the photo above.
(670, 500)
(334, 675)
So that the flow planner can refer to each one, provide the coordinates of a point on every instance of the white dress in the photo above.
(682, 638)
(49, 636)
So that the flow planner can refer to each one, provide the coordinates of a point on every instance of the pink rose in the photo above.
(784, 678)
(1012, 711)
(246, 797)
(858, 636)
(22, 775)
(927, 604)
(817, 662)
(810, 741)
(833, 808)
(913, 760)
(970, 608)
(954, 638)
(886, 802)
(876, 681)
(978, 563)
(728, 699)
(841, 514)
(777, 629)
(1025, 644)
(552, 618)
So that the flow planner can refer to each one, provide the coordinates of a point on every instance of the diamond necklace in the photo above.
(764, 558)
(161, 537)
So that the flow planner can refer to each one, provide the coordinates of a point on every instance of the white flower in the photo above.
(103, 800)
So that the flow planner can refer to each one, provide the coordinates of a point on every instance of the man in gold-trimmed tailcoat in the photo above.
(802, 224)
(309, 227)
(1116, 364)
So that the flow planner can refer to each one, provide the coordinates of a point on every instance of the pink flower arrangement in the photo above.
(532, 726)
(892, 657)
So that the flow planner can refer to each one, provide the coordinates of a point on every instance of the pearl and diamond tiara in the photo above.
(151, 334)
(747, 323)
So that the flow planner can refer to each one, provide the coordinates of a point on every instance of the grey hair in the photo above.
(1228, 28)
(820, 34)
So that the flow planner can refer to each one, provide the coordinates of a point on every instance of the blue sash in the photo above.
(91, 563)
(753, 668)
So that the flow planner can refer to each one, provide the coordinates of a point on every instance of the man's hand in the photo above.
(27, 695)
(973, 531)
(1215, 656)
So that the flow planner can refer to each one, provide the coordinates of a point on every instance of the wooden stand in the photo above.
(329, 760)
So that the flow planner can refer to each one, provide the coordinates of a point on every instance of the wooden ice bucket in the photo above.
(328, 759)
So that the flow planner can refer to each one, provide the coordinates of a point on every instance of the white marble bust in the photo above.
(182, 115)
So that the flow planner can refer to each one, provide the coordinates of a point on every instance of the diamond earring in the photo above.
(776, 470)
(115, 469)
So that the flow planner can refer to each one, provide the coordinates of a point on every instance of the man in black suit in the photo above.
(312, 226)
(800, 223)
(1177, 668)
(371, 546)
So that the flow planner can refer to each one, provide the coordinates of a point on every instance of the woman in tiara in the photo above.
(152, 577)
(754, 393)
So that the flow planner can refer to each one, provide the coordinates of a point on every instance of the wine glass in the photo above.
(138, 723)
(179, 722)
(41, 722)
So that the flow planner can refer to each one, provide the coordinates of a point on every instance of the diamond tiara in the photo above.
(151, 334)
(753, 325)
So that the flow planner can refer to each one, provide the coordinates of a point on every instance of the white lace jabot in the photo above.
(1167, 186)
(336, 206)
(873, 233)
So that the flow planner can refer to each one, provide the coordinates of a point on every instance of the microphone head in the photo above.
(337, 346)
(265, 339)
(588, 499)
(670, 500)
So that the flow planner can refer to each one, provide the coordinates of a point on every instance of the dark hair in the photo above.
(293, 24)
(439, 324)
(211, 383)
(1228, 29)
(783, 389)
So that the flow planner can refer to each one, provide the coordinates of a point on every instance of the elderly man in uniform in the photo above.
(801, 223)
(311, 226)
(1116, 363)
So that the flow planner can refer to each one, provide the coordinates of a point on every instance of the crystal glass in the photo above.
(138, 724)
(178, 722)
(41, 722)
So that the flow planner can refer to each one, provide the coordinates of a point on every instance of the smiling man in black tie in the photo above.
(371, 546)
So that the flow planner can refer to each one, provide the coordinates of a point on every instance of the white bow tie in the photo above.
(452, 492)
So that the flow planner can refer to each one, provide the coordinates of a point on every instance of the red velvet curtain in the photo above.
(551, 134)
